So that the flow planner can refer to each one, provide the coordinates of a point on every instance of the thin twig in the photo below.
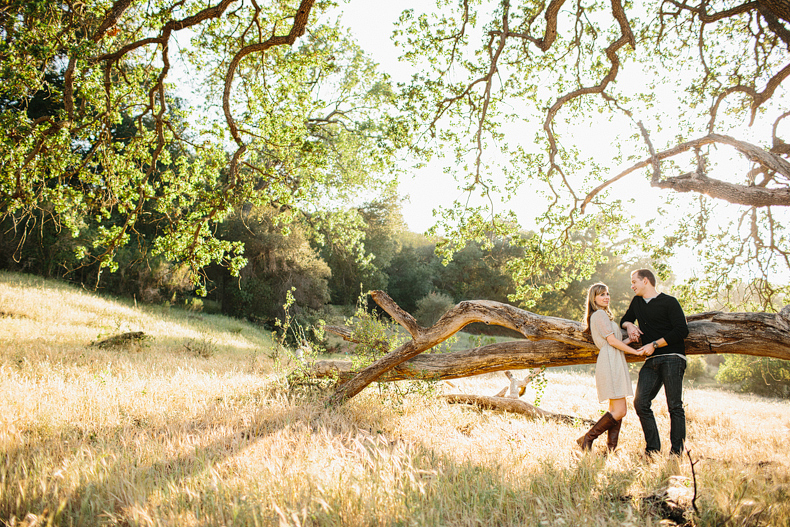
(694, 479)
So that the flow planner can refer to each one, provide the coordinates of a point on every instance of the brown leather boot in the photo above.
(613, 435)
(604, 423)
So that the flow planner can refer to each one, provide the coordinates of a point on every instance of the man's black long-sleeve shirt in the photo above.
(662, 317)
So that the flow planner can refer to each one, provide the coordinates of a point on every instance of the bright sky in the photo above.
(372, 23)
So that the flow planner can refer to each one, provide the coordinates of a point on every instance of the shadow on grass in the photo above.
(432, 488)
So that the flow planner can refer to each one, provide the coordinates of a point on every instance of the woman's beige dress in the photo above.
(611, 369)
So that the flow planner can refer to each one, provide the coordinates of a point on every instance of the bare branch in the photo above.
(706, 17)
(550, 35)
(400, 316)
(622, 20)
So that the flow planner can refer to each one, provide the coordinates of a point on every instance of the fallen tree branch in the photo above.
(530, 325)
(549, 341)
(124, 339)
(516, 406)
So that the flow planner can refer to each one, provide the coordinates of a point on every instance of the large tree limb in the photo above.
(528, 324)
(754, 196)
(550, 341)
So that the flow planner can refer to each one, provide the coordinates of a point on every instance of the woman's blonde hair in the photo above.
(595, 290)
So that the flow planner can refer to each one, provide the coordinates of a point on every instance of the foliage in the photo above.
(280, 259)
(695, 368)
(297, 348)
(539, 384)
(103, 168)
(361, 265)
(411, 274)
(431, 307)
(374, 335)
(204, 347)
(93, 142)
(692, 95)
(614, 270)
(478, 271)
(760, 375)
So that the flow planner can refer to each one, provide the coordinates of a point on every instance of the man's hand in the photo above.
(646, 350)
(633, 331)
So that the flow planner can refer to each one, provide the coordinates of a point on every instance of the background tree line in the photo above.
(321, 273)
(307, 257)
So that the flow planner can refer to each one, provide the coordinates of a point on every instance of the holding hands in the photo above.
(633, 336)
(646, 350)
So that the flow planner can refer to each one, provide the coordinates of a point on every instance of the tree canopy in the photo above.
(291, 119)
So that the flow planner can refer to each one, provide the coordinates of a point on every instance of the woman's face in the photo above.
(602, 299)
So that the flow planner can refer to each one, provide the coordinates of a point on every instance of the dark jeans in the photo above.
(660, 371)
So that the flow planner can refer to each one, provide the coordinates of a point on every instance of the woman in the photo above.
(611, 369)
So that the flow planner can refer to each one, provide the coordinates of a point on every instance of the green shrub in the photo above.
(695, 367)
(194, 304)
(431, 307)
(759, 375)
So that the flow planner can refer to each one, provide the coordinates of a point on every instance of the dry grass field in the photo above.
(196, 426)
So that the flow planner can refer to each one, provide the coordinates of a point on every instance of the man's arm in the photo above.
(677, 318)
(627, 322)
(679, 329)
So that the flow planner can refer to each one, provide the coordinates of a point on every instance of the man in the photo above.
(662, 327)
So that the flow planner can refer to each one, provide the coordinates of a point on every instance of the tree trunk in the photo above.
(550, 342)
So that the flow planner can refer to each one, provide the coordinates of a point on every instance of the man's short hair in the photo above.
(645, 273)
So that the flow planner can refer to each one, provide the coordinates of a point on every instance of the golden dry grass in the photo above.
(158, 435)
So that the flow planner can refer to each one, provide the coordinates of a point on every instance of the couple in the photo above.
(662, 328)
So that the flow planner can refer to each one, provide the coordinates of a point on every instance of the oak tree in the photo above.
(282, 117)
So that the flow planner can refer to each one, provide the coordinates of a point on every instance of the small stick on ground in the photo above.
(694, 479)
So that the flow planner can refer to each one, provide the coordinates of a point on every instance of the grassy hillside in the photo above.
(196, 426)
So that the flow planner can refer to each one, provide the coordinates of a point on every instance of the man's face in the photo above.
(638, 285)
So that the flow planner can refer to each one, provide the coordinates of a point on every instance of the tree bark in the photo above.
(549, 341)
